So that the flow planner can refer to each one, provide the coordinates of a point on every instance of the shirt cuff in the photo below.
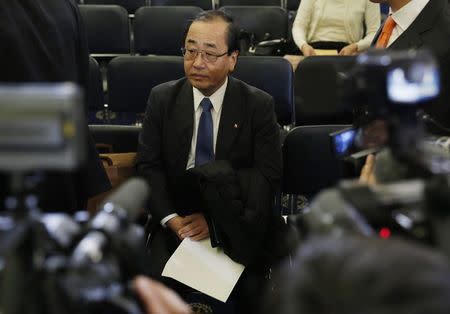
(166, 219)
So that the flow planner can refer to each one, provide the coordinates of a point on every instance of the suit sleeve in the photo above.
(267, 147)
(247, 236)
(150, 163)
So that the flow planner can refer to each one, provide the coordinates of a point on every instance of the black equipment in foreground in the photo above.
(42, 126)
(54, 263)
(389, 90)
(51, 264)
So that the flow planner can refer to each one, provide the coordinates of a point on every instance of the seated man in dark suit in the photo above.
(205, 117)
(419, 24)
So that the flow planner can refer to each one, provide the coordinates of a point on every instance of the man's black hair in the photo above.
(211, 15)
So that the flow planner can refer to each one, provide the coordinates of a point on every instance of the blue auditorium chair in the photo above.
(263, 22)
(204, 4)
(309, 164)
(273, 75)
(118, 138)
(223, 3)
(159, 30)
(130, 5)
(130, 80)
(95, 92)
(319, 94)
(108, 29)
(292, 5)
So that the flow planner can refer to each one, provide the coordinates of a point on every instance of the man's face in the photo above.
(208, 38)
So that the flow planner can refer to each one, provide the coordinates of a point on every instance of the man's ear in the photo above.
(234, 56)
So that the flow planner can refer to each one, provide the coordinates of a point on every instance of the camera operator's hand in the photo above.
(349, 50)
(308, 51)
(368, 171)
(195, 227)
(158, 299)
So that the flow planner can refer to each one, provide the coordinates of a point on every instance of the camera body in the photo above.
(55, 263)
(42, 126)
(387, 91)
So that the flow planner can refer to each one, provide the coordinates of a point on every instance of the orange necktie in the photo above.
(386, 32)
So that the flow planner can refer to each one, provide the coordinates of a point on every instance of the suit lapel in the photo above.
(183, 123)
(412, 37)
(230, 119)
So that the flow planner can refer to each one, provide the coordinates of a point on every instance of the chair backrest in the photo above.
(292, 5)
(95, 95)
(264, 22)
(204, 4)
(121, 138)
(275, 76)
(309, 164)
(130, 5)
(107, 28)
(130, 79)
(250, 2)
(159, 30)
(318, 94)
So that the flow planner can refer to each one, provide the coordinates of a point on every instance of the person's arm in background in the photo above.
(372, 20)
(301, 25)
(367, 175)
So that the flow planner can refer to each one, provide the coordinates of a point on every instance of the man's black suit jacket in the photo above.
(431, 30)
(248, 138)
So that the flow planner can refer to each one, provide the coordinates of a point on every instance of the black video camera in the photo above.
(387, 91)
(54, 263)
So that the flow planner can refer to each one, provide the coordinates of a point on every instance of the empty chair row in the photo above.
(130, 80)
(159, 30)
(318, 98)
(132, 5)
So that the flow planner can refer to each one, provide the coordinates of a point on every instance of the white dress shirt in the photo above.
(405, 16)
(216, 111)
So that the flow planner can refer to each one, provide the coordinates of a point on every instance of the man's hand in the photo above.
(175, 224)
(158, 299)
(308, 51)
(349, 50)
(195, 227)
(368, 171)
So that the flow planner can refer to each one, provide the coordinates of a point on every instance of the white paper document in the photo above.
(206, 269)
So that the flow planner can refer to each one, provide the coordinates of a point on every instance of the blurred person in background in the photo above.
(347, 26)
(362, 275)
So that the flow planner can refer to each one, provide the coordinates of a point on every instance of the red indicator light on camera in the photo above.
(385, 233)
